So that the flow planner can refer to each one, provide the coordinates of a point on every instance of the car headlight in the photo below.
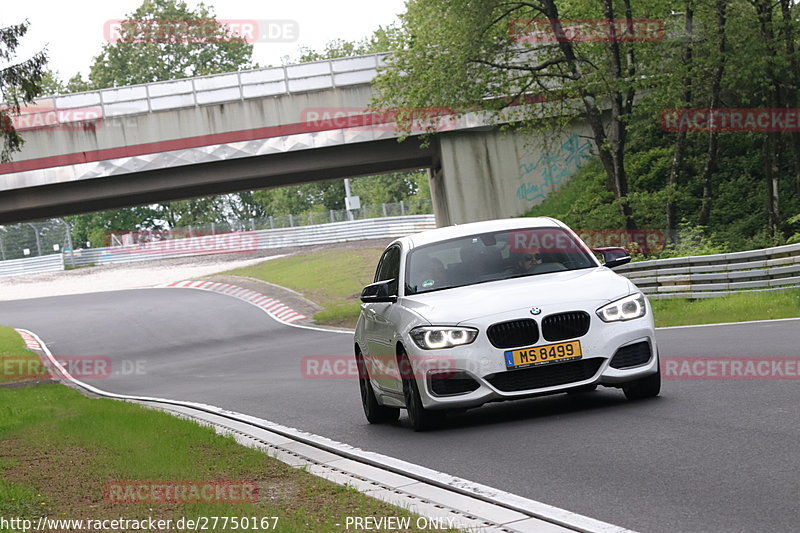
(436, 338)
(627, 308)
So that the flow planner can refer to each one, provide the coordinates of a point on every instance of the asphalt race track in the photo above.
(706, 456)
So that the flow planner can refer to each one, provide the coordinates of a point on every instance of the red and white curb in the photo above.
(30, 341)
(274, 308)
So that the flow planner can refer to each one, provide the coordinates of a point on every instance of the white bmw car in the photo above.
(498, 310)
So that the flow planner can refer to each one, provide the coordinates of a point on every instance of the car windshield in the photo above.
(492, 257)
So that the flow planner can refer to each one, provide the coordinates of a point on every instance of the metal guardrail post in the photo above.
(38, 239)
(68, 238)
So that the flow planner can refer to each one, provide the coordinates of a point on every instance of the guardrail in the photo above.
(32, 265)
(249, 241)
(706, 276)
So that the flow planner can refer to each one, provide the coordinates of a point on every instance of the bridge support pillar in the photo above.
(485, 174)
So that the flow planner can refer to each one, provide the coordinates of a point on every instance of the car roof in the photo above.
(474, 228)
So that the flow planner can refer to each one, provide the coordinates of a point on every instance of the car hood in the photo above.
(585, 288)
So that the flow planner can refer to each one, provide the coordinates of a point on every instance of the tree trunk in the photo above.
(618, 130)
(793, 76)
(712, 153)
(771, 175)
(680, 143)
(764, 9)
(611, 148)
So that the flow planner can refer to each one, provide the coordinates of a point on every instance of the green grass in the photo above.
(333, 279)
(733, 308)
(60, 449)
(17, 363)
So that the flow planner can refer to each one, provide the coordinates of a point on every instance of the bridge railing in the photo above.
(213, 89)
(706, 276)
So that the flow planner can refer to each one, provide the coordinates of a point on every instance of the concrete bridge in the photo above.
(266, 128)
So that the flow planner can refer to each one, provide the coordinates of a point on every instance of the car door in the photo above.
(379, 329)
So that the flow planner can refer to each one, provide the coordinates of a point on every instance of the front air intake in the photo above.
(564, 326)
(513, 333)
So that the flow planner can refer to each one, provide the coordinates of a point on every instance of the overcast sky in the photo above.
(73, 31)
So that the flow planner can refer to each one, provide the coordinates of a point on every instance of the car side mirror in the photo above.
(378, 292)
(613, 256)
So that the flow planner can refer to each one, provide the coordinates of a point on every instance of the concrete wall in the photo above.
(487, 174)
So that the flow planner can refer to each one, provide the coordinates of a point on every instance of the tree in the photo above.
(19, 85)
(96, 228)
(380, 41)
(165, 40)
(480, 56)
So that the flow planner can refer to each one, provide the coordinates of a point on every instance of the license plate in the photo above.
(543, 355)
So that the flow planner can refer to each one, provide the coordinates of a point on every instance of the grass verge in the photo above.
(732, 308)
(17, 363)
(61, 449)
(332, 278)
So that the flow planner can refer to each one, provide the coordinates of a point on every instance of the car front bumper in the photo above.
(493, 381)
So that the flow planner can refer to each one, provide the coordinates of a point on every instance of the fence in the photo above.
(52, 236)
(413, 206)
(32, 265)
(707, 276)
(251, 241)
(29, 239)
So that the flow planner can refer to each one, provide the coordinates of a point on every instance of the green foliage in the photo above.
(96, 228)
(794, 221)
(691, 240)
(583, 202)
(20, 83)
(379, 41)
(204, 46)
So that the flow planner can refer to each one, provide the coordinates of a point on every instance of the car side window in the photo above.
(389, 268)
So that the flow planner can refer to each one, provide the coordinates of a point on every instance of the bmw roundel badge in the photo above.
(536, 311)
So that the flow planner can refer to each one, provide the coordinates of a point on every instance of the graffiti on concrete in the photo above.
(551, 168)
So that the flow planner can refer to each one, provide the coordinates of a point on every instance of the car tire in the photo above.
(375, 412)
(648, 387)
(421, 419)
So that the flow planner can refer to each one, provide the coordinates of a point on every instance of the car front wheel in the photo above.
(420, 418)
(647, 387)
(375, 412)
